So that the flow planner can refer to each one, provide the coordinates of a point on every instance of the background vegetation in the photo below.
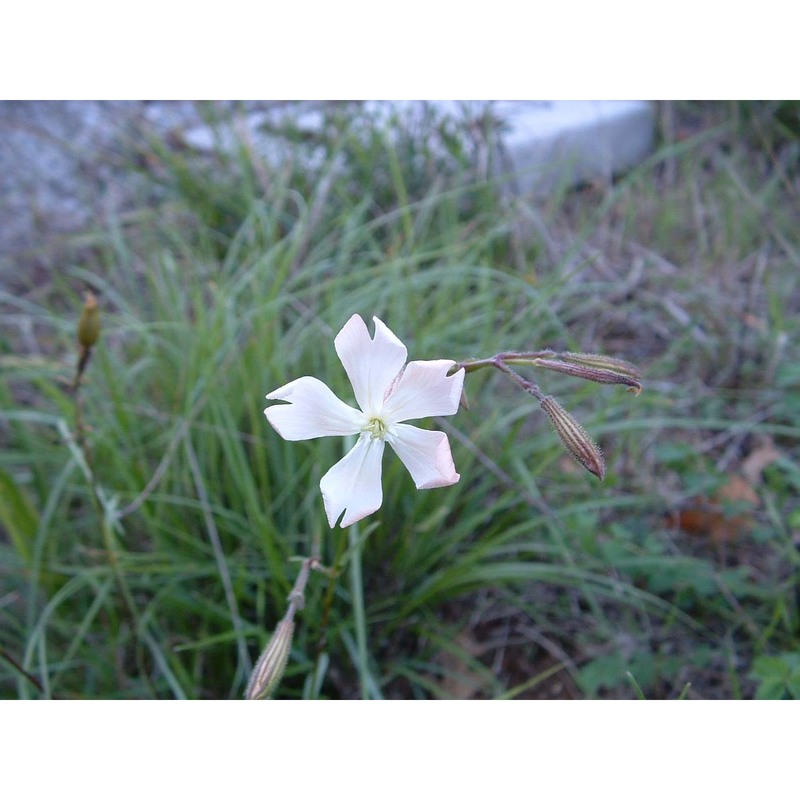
(160, 568)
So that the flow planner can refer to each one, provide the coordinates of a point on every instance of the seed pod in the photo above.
(270, 666)
(575, 438)
(89, 323)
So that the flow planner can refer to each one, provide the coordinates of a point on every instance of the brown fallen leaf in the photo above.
(709, 517)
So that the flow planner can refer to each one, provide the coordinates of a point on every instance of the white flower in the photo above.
(388, 392)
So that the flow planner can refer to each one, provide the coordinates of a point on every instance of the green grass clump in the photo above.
(160, 567)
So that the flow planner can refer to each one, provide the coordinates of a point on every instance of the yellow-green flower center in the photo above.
(376, 428)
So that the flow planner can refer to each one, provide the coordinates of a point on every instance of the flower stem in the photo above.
(357, 592)
(525, 385)
(501, 361)
(501, 358)
(107, 515)
(333, 576)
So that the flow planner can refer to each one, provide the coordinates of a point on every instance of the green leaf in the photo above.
(604, 672)
(779, 676)
(793, 685)
(17, 516)
(767, 667)
(771, 689)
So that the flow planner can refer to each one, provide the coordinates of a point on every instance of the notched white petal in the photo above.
(372, 364)
(312, 410)
(426, 455)
(353, 485)
(425, 390)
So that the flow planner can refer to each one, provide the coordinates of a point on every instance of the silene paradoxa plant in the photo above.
(390, 393)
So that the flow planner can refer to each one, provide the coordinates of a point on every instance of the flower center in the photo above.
(376, 428)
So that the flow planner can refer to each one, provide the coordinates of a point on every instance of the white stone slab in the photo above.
(560, 143)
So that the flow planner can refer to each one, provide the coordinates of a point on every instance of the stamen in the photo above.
(376, 428)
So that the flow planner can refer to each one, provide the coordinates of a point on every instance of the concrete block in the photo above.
(561, 143)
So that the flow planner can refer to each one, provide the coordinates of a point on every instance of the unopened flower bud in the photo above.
(89, 323)
(590, 372)
(616, 365)
(575, 438)
(271, 665)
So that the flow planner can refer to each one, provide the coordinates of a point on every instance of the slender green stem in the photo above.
(525, 385)
(501, 361)
(106, 516)
(473, 365)
(322, 639)
(357, 592)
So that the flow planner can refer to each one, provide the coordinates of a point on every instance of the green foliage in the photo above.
(161, 568)
(778, 677)
(18, 517)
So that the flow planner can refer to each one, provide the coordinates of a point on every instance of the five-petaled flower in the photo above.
(388, 393)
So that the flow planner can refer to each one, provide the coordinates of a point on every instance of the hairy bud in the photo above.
(617, 366)
(270, 667)
(601, 369)
(574, 437)
(603, 362)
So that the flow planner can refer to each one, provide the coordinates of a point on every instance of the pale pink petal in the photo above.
(371, 364)
(353, 485)
(424, 390)
(313, 410)
(426, 455)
